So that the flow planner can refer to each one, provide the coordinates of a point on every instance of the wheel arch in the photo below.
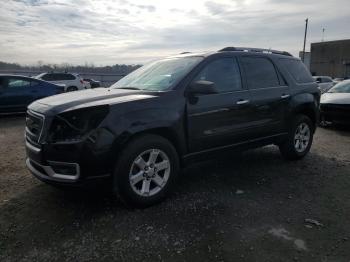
(166, 132)
(305, 104)
(309, 112)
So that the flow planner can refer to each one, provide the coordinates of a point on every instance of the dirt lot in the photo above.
(252, 207)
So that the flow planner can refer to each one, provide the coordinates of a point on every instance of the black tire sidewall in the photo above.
(72, 88)
(288, 148)
(121, 183)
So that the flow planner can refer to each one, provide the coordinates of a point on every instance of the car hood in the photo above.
(87, 98)
(336, 98)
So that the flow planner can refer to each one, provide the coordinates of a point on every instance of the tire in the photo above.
(72, 88)
(135, 179)
(295, 147)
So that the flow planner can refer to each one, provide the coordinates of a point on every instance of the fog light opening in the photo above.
(65, 169)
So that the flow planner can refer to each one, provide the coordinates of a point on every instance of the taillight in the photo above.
(81, 81)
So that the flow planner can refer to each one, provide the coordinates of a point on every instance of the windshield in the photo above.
(342, 87)
(159, 75)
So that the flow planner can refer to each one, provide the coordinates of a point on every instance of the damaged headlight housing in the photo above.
(73, 126)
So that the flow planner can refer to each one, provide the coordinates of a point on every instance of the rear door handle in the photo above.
(242, 102)
(284, 96)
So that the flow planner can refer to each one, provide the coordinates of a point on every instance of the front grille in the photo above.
(34, 126)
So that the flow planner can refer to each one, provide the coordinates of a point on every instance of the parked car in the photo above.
(73, 82)
(17, 92)
(86, 84)
(324, 82)
(335, 104)
(93, 83)
(140, 131)
(337, 80)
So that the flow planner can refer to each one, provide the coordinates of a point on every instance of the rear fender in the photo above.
(305, 104)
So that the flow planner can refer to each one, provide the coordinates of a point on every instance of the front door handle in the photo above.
(242, 102)
(284, 96)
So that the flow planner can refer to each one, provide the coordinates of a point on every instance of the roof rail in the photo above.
(256, 50)
(183, 53)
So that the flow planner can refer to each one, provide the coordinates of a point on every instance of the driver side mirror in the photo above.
(202, 87)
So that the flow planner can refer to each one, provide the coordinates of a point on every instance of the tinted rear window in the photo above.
(298, 70)
(260, 72)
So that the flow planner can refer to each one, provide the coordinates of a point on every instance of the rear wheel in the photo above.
(299, 139)
(146, 171)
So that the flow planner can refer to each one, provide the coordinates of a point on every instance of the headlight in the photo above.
(76, 124)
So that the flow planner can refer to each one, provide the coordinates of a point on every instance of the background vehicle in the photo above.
(324, 82)
(17, 92)
(140, 131)
(86, 84)
(337, 80)
(93, 83)
(73, 82)
(335, 104)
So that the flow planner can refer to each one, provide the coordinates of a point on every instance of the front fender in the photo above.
(169, 121)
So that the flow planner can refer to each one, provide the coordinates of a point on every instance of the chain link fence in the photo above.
(105, 79)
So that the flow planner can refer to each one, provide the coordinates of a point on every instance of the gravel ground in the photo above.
(250, 207)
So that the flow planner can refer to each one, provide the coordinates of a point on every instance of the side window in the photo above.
(62, 77)
(47, 77)
(326, 80)
(224, 73)
(53, 77)
(298, 70)
(260, 72)
(70, 77)
(57, 77)
(65, 76)
(15, 83)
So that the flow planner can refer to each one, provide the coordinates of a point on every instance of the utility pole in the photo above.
(323, 34)
(306, 22)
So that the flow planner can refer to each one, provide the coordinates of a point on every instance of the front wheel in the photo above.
(72, 88)
(299, 139)
(146, 171)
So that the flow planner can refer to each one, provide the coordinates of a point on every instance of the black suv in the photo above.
(140, 131)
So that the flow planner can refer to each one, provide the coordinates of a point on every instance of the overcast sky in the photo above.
(106, 32)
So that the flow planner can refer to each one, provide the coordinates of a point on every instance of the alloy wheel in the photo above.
(149, 172)
(302, 137)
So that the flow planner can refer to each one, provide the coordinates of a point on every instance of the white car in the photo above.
(338, 80)
(324, 83)
(73, 82)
